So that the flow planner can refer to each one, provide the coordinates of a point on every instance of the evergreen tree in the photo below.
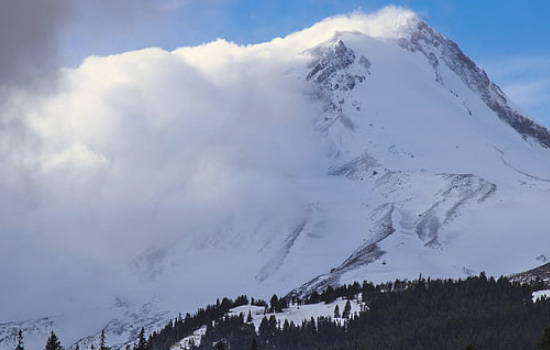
(336, 312)
(102, 342)
(273, 302)
(249, 317)
(141, 343)
(281, 304)
(264, 328)
(544, 342)
(347, 310)
(286, 326)
(53, 343)
(313, 298)
(20, 345)
(220, 346)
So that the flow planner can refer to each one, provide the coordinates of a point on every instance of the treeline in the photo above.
(180, 328)
(53, 342)
(475, 313)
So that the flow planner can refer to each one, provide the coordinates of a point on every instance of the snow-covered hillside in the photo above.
(367, 147)
(293, 314)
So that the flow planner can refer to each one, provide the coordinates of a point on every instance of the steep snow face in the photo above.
(425, 40)
(421, 126)
(365, 147)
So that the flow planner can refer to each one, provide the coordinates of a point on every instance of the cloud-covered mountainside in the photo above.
(364, 147)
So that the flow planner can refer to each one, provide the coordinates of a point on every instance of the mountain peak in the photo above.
(390, 22)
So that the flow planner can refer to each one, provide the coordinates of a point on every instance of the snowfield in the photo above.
(294, 313)
(541, 294)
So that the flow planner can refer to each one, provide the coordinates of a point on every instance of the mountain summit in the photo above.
(367, 147)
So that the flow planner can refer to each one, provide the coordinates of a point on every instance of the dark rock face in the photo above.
(424, 39)
(332, 60)
(335, 71)
(330, 70)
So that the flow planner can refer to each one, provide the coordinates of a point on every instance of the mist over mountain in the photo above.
(368, 146)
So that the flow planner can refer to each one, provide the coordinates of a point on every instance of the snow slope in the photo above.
(365, 147)
(293, 314)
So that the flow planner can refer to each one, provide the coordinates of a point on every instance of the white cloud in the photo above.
(143, 148)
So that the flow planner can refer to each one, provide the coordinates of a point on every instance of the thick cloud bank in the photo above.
(138, 150)
(143, 143)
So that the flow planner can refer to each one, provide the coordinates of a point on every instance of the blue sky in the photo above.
(507, 38)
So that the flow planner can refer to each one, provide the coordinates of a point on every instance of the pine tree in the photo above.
(220, 346)
(102, 342)
(249, 317)
(347, 310)
(313, 298)
(53, 343)
(281, 304)
(20, 345)
(273, 302)
(263, 329)
(336, 312)
(141, 342)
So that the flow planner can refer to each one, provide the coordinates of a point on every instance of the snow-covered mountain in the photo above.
(367, 147)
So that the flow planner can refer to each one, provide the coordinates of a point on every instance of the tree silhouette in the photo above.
(20, 345)
(141, 343)
(347, 310)
(53, 343)
(102, 341)
(336, 312)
